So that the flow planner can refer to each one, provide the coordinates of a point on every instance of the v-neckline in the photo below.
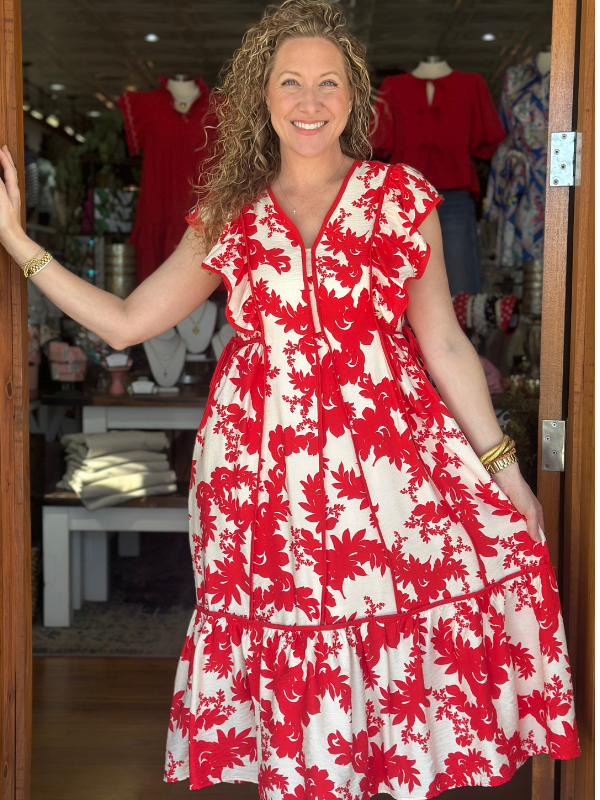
(328, 215)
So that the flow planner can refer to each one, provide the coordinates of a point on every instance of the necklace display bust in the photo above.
(184, 92)
(166, 356)
(197, 329)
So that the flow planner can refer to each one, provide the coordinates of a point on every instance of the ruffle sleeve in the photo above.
(399, 251)
(228, 259)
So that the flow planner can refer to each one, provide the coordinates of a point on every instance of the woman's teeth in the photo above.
(309, 126)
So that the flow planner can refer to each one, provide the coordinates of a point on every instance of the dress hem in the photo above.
(393, 793)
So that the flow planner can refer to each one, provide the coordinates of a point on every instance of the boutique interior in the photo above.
(116, 114)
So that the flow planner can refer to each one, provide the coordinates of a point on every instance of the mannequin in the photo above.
(197, 329)
(184, 92)
(542, 61)
(166, 356)
(221, 337)
(430, 70)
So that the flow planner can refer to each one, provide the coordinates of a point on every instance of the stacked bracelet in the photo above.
(37, 263)
(501, 462)
(499, 456)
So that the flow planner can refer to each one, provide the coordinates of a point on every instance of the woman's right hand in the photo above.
(10, 200)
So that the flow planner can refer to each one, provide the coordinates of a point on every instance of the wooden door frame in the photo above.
(15, 594)
(15, 538)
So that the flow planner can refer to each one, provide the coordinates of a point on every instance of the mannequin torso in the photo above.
(184, 93)
(430, 71)
(166, 356)
(197, 329)
(542, 61)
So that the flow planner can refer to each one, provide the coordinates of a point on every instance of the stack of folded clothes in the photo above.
(105, 469)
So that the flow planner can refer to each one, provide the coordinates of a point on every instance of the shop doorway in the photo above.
(566, 295)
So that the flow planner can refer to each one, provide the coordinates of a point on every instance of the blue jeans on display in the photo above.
(459, 238)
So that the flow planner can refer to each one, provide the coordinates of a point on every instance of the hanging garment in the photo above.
(516, 189)
(175, 146)
(458, 222)
(372, 615)
(439, 139)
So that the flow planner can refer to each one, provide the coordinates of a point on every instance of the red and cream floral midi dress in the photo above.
(372, 615)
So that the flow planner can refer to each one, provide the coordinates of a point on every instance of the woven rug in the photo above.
(150, 606)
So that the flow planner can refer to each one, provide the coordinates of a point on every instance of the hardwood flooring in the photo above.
(99, 730)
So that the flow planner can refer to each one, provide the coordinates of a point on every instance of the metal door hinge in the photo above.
(565, 158)
(553, 445)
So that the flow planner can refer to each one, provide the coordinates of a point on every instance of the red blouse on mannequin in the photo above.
(438, 139)
(174, 145)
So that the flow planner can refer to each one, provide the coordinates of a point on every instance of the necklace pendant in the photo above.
(195, 330)
(293, 210)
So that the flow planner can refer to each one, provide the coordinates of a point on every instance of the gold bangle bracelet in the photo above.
(31, 260)
(501, 463)
(37, 264)
(505, 446)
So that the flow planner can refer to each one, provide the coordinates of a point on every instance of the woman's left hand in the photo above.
(523, 499)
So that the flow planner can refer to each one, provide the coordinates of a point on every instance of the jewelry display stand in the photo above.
(221, 337)
(166, 356)
(198, 328)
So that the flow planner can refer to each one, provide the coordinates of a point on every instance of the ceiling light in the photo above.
(131, 88)
(53, 120)
(68, 129)
(151, 37)
(26, 106)
(36, 114)
(80, 138)
(57, 87)
(94, 113)
(489, 37)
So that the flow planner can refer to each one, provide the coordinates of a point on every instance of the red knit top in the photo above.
(438, 139)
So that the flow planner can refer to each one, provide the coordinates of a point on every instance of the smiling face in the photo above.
(308, 95)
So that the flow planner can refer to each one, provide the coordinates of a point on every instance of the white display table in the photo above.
(76, 541)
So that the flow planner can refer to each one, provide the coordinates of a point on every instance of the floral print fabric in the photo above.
(516, 188)
(372, 615)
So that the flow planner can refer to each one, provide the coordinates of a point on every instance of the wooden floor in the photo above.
(99, 731)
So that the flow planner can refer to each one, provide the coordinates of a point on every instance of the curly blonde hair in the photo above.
(246, 155)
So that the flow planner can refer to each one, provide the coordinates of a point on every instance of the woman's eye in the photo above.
(289, 81)
(330, 83)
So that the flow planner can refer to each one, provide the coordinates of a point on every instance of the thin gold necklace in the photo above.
(196, 323)
(322, 189)
(165, 359)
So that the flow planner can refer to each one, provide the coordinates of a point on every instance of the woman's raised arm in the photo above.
(172, 292)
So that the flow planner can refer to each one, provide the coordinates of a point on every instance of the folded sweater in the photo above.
(126, 483)
(91, 445)
(114, 460)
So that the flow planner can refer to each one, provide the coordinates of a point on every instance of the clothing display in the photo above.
(516, 189)
(460, 242)
(439, 139)
(106, 469)
(372, 615)
(175, 145)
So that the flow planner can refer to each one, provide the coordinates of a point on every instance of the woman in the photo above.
(376, 609)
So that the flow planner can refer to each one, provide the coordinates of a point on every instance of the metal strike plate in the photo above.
(565, 150)
(553, 445)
